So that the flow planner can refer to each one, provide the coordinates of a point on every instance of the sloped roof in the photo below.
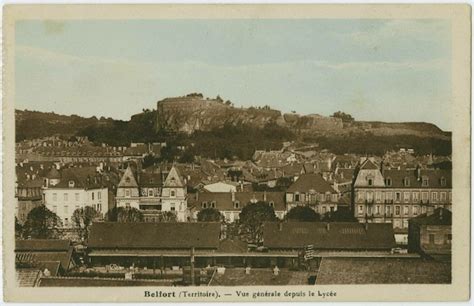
(42, 245)
(369, 165)
(440, 216)
(223, 200)
(173, 179)
(311, 181)
(128, 179)
(340, 235)
(83, 177)
(434, 178)
(154, 235)
(53, 174)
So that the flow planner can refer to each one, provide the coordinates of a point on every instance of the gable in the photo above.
(128, 179)
(173, 179)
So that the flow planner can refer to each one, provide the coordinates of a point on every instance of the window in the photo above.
(369, 182)
(204, 204)
(424, 182)
(448, 238)
(450, 196)
(297, 197)
(397, 210)
(424, 197)
(370, 196)
(55, 197)
(415, 210)
(378, 196)
(389, 197)
(65, 196)
(377, 209)
(173, 193)
(213, 204)
(172, 207)
(388, 182)
(360, 195)
(443, 181)
(406, 197)
(150, 192)
(71, 184)
(55, 209)
(66, 209)
(272, 204)
(127, 192)
(398, 196)
(236, 204)
(442, 196)
(406, 182)
(127, 180)
(387, 210)
(432, 238)
(361, 209)
(405, 210)
(328, 197)
(92, 196)
(127, 205)
(99, 195)
(324, 209)
(434, 196)
(76, 195)
(99, 207)
(416, 197)
(405, 223)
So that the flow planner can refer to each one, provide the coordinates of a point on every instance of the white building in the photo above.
(74, 188)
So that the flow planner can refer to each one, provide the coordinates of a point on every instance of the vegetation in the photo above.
(252, 218)
(41, 223)
(122, 214)
(345, 117)
(18, 229)
(167, 216)
(340, 215)
(83, 218)
(209, 215)
(302, 214)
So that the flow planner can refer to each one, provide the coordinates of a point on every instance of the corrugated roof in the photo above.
(336, 235)
(440, 216)
(223, 200)
(154, 235)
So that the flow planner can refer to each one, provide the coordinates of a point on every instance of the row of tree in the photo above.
(41, 223)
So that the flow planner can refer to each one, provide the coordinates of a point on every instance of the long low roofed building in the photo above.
(336, 236)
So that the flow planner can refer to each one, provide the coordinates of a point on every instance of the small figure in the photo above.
(276, 271)
(247, 270)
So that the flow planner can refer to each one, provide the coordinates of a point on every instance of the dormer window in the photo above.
(213, 204)
(150, 192)
(237, 204)
(127, 180)
(406, 182)
(272, 204)
(443, 181)
(388, 182)
(424, 181)
(204, 204)
(71, 184)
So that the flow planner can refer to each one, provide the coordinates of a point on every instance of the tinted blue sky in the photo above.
(390, 70)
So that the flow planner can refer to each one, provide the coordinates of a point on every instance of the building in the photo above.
(151, 245)
(37, 258)
(72, 188)
(230, 204)
(312, 190)
(329, 237)
(221, 187)
(28, 195)
(430, 234)
(153, 193)
(397, 195)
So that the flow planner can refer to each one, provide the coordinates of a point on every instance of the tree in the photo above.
(343, 116)
(83, 218)
(124, 214)
(18, 229)
(41, 223)
(167, 216)
(252, 217)
(302, 214)
(340, 215)
(149, 160)
(209, 215)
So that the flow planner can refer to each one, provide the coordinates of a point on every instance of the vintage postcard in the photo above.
(236, 153)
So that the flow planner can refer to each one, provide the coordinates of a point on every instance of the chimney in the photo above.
(264, 195)
(328, 226)
(440, 214)
(280, 226)
(233, 196)
(366, 225)
(197, 196)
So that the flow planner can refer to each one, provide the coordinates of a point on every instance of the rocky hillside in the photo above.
(194, 113)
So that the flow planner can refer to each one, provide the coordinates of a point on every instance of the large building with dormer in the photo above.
(397, 195)
(153, 192)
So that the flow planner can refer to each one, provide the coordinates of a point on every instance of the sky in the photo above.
(395, 70)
